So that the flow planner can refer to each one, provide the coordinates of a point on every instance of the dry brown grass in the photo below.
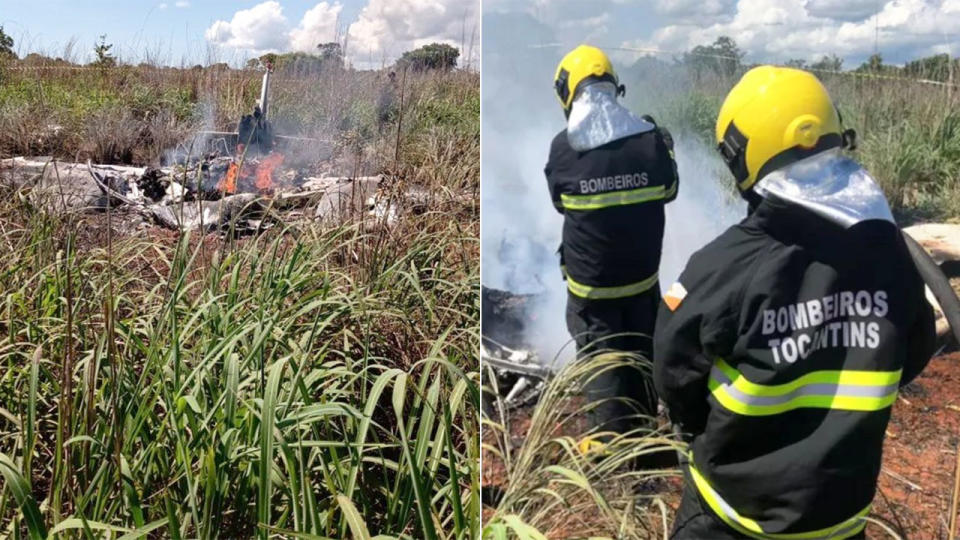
(134, 114)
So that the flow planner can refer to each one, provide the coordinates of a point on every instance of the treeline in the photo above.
(328, 57)
(724, 57)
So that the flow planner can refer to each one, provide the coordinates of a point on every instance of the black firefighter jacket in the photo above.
(781, 350)
(612, 200)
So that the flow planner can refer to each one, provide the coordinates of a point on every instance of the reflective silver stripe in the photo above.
(817, 389)
(851, 390)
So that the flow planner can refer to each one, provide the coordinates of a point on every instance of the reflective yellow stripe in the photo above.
(721, 508)
(671, 192)
(751, 528)
(850, 390)
(613, 198)
(607, 293)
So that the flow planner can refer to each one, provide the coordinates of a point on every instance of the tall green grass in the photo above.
(312, 383)
(553, 490)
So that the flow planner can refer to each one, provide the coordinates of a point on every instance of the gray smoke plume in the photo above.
(196, 144)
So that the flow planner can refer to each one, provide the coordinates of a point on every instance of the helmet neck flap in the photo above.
(597, 118)
(828, 184)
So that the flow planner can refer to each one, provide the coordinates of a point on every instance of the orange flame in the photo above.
(228, 184)
(262, 174)
(264, 180)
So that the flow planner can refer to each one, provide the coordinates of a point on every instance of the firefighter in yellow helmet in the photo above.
(610, 173)
(781, 348)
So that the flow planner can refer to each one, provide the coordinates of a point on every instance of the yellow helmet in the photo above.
(773, 117)
(582, 66)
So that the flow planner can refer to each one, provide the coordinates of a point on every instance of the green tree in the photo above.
(433, 56)
(102, 50)
(331, 55)
(6, 45)
(263, 60)
(723, 57)
(937, 67)
(874, 63)
(830, 62)
(293, 64)
(798, 63)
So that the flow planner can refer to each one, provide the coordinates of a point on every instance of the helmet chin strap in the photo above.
(848, 137)
(753, 200)
(621, 90)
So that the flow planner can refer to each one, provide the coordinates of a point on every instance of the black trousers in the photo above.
(621, 324)
(696, 521)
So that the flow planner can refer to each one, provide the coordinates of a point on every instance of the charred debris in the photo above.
(222, 181)
(520, 374)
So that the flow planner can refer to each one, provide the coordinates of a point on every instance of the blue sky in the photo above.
(178, 31)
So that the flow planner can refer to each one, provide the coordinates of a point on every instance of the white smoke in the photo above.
(521, 229)
(704, 208)
(196, 145)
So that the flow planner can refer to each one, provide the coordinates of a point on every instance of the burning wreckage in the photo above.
(223, 189)
(216, 193)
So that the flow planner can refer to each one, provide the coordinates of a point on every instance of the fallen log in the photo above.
(941, 240)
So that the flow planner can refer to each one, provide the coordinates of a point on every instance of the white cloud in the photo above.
(772, 30)
(259, 29)
(843, 10)
(319, 25)
(385, 28)
(570, 13)
(162, 6)
(182, 4)
(684, 9)
(599, 21)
